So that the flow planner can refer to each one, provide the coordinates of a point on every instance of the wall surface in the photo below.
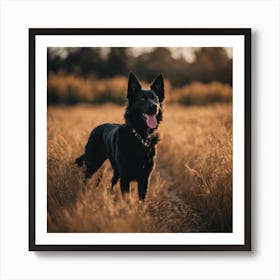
(16, 262)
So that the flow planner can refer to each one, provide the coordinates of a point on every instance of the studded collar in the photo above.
(143, 141)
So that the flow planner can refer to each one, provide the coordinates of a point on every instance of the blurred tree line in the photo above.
(210, 64)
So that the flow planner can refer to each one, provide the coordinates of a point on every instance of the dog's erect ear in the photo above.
(158, 87)
(133, 85)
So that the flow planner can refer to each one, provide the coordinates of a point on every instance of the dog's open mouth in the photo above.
(151, 120)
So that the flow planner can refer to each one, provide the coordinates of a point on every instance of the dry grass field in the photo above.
(71, 89)
(190, 187)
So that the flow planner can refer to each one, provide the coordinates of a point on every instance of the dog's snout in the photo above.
(154, 108)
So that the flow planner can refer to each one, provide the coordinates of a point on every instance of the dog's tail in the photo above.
(80, 160)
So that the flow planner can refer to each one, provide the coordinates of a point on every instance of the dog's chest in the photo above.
(138, 166)
(138, 158)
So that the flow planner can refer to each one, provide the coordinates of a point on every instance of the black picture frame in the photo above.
(246, 32)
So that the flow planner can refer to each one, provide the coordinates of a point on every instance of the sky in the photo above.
(187, 53)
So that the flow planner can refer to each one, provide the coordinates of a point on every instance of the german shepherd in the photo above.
(130, 147)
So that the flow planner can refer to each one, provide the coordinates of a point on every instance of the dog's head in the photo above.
(144, 110)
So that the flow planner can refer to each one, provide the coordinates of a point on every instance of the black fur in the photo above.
(123, 144)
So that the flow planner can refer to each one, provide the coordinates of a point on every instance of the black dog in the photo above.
(130, 147)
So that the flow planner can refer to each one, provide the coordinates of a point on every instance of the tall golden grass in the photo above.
(70, 89)
(190, 187)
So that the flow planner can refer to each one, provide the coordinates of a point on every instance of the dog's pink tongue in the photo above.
(151, 121)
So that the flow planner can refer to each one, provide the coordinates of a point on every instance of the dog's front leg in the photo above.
(142, 188)
(124, 185)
